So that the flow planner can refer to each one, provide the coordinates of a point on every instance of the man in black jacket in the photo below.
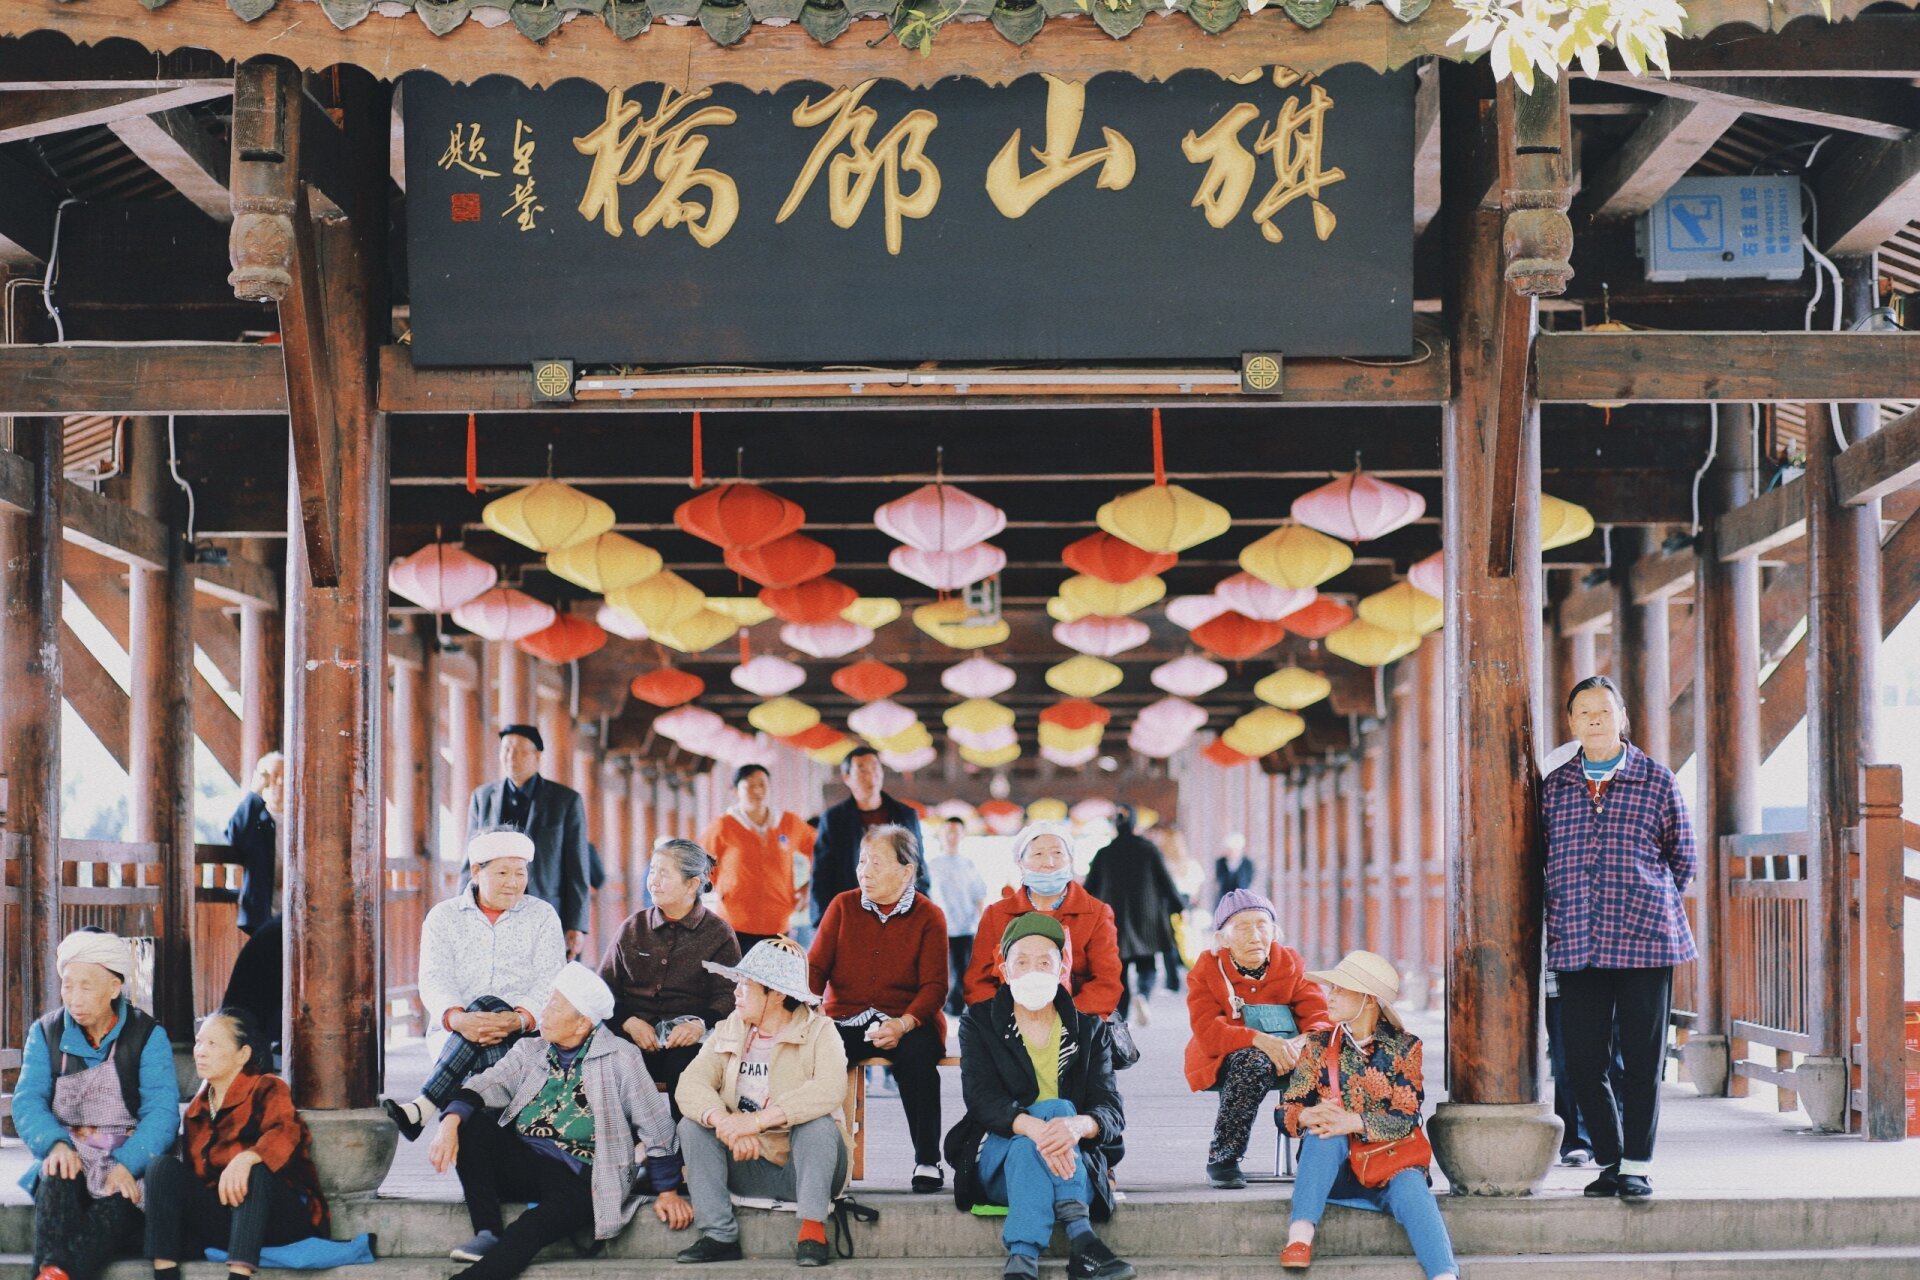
(1037, 1076)
(552, 816)
(843, 826)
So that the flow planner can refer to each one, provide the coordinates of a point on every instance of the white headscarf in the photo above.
(1034, 830)
(109, 951)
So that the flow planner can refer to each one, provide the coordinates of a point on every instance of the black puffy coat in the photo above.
(1130, 876)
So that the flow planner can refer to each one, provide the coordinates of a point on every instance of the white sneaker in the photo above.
(1142, 1015)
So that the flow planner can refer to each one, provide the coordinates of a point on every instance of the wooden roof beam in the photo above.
(39, 112)
(1882, 464)
(1868, 193)
(1875, 108)
(1763, 366)
(1659, 152)
(147, 378)
(176, 145)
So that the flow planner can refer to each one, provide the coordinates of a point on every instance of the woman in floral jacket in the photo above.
(1360, 1082)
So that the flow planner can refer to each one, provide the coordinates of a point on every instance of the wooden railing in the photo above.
(1881, 1060)
(1769, 898)
(409, 888)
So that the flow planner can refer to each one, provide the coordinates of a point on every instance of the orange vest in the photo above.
(754, 870)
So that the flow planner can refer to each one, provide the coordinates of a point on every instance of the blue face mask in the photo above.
(1047, 884)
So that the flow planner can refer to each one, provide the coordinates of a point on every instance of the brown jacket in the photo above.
(807, 1078)
(258, 1115)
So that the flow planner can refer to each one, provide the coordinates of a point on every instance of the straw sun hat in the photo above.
(1370, 975)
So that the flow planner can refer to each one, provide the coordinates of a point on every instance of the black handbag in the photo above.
(1125, 1051)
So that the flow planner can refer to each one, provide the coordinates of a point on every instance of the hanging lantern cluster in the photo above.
(1115, 560)
(1367, 645)
(881, 720)
(702, 732)
(785, 562)
(548, 516)
(943, 532)
(1403, 608)
(1235, 636)
(1163, 518)
(1263, 731)
(738, 516)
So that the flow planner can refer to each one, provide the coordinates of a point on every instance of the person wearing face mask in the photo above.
(1250, 1004)
(1037, 1075)
(1043, 852)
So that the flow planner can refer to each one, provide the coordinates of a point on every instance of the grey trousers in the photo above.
(814, 1171)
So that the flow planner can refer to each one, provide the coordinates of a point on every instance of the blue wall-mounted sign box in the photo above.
(1725, 228)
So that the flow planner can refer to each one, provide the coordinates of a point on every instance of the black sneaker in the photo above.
(1226, 1175)
(1635, 1189)
(707, 1249)
(928, 1178)
(1092, 1260)
(1606, 1185)
(811, 1253)
(402, 1119)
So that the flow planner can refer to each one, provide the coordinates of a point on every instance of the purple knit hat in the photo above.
(1232, 904)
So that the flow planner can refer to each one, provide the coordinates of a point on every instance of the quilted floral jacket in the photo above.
(1382, 1082)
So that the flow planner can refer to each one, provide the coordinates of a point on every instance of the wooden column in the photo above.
(512, 686)
(639, 832)
(463, 774)
(31, 546)
(1581, 659)
(406, 761)
(262, 644)
(1404, 727)
(1642, 649)
(1353, 856)
(1429, 671)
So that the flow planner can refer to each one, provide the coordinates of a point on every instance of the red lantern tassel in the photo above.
(699, 473)
(473, 458)
(1159, 453)
(746, 655)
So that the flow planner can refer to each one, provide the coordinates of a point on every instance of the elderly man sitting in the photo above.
(565, 1115)
(487, 959)
(96, 1102)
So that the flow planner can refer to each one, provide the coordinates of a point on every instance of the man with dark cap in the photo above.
(844, 826)
(552, 816)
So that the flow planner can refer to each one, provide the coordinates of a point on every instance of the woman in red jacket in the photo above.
(1251, 1006)
(1043, 851)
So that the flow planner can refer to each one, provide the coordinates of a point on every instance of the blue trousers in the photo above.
(1325, 1176)
(1013, 1173)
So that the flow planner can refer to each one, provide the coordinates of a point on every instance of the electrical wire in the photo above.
(173, 469)
(53, 271)
(1713, 448)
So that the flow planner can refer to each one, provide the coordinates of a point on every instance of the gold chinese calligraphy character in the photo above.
(851, 178)
(1013, 193)
(673, 147)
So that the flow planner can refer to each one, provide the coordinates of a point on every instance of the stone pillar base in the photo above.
(352, 1150)
(1822, 1086)
(1708, 1063)
(1495, 1150)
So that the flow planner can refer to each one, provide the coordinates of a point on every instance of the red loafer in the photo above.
(1297, 1256)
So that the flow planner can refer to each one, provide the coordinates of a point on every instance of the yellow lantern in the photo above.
(1292, 688)
(1047, 810)
(1061, 738)
(991, 759)
(977, 715)
(548, 516)
(832, 755)
(1296, 557)
(1145, 818)
(703, 630)
(745, 610)
(954, 625)
(911, 738)
(1084, 676)
(659, 601)
(872, 612)
(1608, 325)
(1404, 608)
(1562, 523)
(1061, 610)
(1367, 645)
(606, 563)
(1089, 594)
(1263, 730)
(783, 717)
(1163, 518)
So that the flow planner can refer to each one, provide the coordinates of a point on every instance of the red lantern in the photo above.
(668, 686)
(1115, 560)
(1235, 635)
(567, 640)
(1218, 752)
(784, 562)
(1075, 714)
(815, 600)
(869, 681)
(739, 515)
(818, 738)
(1318, 620)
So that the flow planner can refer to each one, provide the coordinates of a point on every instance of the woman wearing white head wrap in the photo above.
(1043, 855)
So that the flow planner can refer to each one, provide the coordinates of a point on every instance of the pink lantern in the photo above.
(685, 723)
(1069, 759)
(1246, 594)
(1171, 716)
(978, 677)
(939, 517)
(1158, 745)
(441, 576)
(1189, 676)
(908, 761)
(834, 639)
(1188, 612)
(624, 625)
(948, 570)
(1358, 507)
(1102, 637)
(1430, 575)
(730, 746)
(954, 809)
(881, 719)
(1095, 809)
(985, 739)
(504, 614)
(1003, 817)
(768, 675)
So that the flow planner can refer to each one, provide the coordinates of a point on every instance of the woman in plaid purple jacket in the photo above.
(1619, 854)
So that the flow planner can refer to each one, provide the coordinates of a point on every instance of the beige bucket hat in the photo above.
(1371, 975)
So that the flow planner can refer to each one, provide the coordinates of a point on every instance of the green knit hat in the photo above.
(1031, 924)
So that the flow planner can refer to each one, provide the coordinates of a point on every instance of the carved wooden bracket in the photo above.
(1536, 187)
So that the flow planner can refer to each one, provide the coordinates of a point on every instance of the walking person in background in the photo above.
(753, 847)
(1188, 877)
(253, 833)
(843, 826)
(1233, 869)
(1130, 876)
(960, 893)
(553, 817)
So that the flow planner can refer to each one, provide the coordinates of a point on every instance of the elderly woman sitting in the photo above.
(762, 1106)
(1249, 1001)
(572, 1125)
(247, 1179)
(487, 959)
(1043, 852)
(96, 1103)
(1360, 1083)
(880, 955)
(1037, 1074)
(665, 999)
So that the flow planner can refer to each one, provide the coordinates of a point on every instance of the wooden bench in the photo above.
(856, 1106)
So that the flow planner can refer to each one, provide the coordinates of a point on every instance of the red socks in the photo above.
(813, 1229)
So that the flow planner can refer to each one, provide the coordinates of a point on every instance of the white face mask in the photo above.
(1034, 991)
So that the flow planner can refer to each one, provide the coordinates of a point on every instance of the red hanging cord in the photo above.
(1159, 453)
(473, 458)
(699, 473)
(746, 655)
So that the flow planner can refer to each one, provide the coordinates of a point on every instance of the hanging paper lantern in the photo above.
(1263, 731)
(978, 677)
(1562, 523)
(1235, 636)
(687, 723)
(978, 715)
(1172, 716)
(1218, 752)
(1068, 759)
(667, 686)
(1003, 817)
(881, 719)
(1430, 575)
(782, 717)
(768, 675)
(1157, 746)
(739, 516)
(548, 516)
(1047, 810)
(1188, 612)
(954, 625)
(504, 614)
(567, 639)
(948, 570)
(659, 601)
(1359, 507)
(745, 610)
(912, 738)
(1164, 519)
(1062, 611)
(815, 738)
(834, 754)
(992, 759)
(1076, 713)
(939, 517)
(441, 576)
(1261, 600)
(834, 639)
(1292, 688)
(1405, 608)
(1115, 560)
(1296, 556)
(1188, 676)
(873, 612)
(1102, 637)
(1145, 818)
(784, 562)
(1094, 809)
(1366, 645)
(606, 563)
(869, 681)
(624, 625)
(698, 633)
(955, 809)
(1083, 676)
(1053, 735)
(909, 761)
(1318, 620)
(990, 740)
(817, 600)
(1082, 591)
